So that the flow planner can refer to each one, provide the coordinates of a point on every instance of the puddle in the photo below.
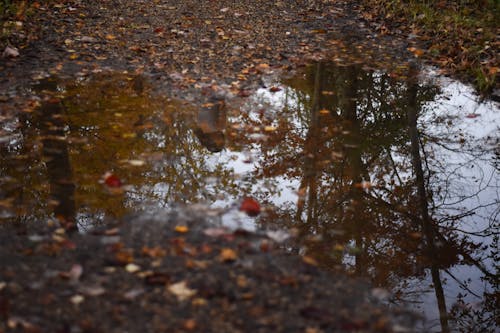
(411, 204)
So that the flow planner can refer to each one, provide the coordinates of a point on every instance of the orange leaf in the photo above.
(310, 260)
(181, 229)
(227, 254)
(416, 52)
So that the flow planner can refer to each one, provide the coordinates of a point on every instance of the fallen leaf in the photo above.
(136, 162)
(310, 260)
(153, 252)
(112, 180)
(10, 52)
(77, 299)
(124, 257)
(338, 247)
(215, 232)
(274, 89)
(244, 93)
(133, 293)
(157, 278)
(189, 324)
(263, 68)
(181, 290)
(132, 268)
(227, 255)
(250, 206)
(92, 291)
(416, 52)
(416, 235)
(73, 274)
(129, 135)
(88, 39)
(181, 229)
(472, 115)
(270, 128)
(278, 235)
(199, 264)
(363, 185)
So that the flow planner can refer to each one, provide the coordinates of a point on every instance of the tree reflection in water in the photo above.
(372, 196)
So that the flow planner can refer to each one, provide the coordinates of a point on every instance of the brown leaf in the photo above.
(157, 278)
(189, 324)
(153, 252)
(124, 257)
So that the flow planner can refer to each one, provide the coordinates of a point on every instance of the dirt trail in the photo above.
(186, 46)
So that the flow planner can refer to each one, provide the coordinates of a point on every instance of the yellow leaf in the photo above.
(182, 229)
(130, 135)
(270, 128)
(310, 260)
(338, 247)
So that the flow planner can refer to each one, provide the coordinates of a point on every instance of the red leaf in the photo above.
(112, 180)
(472, 115)
(250, 206)
(244, 93)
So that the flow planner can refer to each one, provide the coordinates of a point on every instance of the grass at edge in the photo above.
(461, 36)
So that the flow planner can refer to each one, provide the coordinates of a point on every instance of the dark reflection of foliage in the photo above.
(103, 122)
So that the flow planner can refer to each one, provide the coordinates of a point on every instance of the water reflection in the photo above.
(389, 178)
(211, 125)
(55, 154)
(384, 196)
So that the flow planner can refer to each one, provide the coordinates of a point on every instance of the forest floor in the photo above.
(142, 275)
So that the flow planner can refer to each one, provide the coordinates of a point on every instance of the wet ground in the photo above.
(390, 175)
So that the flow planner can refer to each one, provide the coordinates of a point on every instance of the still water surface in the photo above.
(393, 179)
